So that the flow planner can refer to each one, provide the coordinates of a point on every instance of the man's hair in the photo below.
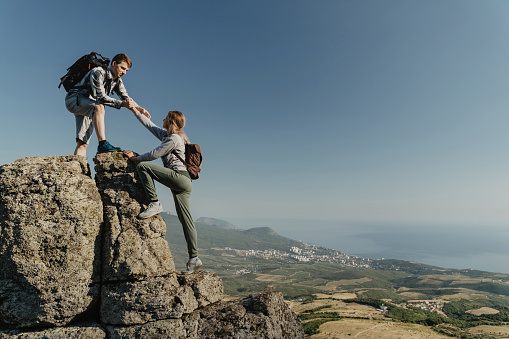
(122, 57)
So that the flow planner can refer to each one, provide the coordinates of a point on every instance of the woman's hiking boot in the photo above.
(152, 209)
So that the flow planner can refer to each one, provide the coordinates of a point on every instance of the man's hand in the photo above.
(128, 103)
(130, 155)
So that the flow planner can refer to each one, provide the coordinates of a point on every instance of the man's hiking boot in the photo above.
(193, 264)
(152, 209)
(107, 147)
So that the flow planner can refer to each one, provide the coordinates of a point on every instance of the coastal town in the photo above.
(308, 253)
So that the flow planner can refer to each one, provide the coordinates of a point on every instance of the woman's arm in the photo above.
(157, 131)
(165, 148)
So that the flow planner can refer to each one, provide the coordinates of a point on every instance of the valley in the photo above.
(344, 296)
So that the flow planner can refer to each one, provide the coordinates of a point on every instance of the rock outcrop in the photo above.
(77, 263)
(50, 218)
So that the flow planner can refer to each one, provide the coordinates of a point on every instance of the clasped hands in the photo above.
(129, 103)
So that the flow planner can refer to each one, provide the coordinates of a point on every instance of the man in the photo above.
(88, 98)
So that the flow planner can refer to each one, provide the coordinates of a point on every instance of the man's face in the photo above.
(118, 69)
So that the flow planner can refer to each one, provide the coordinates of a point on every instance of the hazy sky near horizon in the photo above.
(367, 110)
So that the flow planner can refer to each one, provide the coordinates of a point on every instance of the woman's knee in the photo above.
(141, 166)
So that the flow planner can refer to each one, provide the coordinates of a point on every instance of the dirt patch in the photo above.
(342, 308)
(463, 294)
(372, 329)
(344, 296)
(430, 281)
(348, 282)
(411, 294)
(269, 277)
(483, 310)
(501, 331)
(341, 296)
(466, 282)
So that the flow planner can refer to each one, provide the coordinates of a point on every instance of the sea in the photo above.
(484, 248)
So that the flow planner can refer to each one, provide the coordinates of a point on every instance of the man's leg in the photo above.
(100, 130)
(83, 109)
(81, 148)
(98, 121)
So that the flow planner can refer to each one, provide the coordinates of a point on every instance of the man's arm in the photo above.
(97, 81)
(122, 94)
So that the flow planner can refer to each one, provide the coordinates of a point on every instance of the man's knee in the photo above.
(99, 108)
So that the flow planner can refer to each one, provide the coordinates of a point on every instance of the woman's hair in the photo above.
(122, 57)
(177, 123)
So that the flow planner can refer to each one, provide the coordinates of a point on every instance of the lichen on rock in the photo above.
(77, 263)
(50, 218)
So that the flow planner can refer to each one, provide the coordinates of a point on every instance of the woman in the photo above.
(173, 175)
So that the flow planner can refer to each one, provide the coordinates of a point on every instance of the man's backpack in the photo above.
(193, 160)
(81, 67)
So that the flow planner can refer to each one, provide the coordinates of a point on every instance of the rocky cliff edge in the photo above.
(75, 262)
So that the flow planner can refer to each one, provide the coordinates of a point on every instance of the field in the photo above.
(342, 299)
(495, 331)
(367, 322)
(366, 329)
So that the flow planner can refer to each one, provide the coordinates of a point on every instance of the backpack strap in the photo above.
(180, 158)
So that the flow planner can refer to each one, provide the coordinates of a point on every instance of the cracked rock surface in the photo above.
(77, 263)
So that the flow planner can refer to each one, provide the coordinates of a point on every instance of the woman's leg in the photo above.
(149, 172)
(181, 188)
(183, 208)
(146, 173)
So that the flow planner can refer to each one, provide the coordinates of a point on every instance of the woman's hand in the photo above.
(130, 155)
(142, 111)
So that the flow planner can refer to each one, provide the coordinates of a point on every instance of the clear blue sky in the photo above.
(367, 110)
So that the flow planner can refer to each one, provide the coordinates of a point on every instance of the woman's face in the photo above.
(166, 122)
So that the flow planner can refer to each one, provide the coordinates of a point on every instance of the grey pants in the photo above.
(181, 187)
(83, 109)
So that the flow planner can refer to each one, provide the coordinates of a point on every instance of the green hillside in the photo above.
(212, 236)
(259, 259)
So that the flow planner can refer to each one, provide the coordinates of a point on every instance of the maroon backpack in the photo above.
(193, 160)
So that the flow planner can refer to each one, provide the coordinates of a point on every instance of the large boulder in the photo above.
(141, 284)
(169, 297)
(91, 331)
(50, 219)
(132, 248)
(52, 237)
(262, 315)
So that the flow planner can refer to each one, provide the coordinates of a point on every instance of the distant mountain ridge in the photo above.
(217, 223)
(215, 233)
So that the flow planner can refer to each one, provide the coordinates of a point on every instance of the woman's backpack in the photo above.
(193, 160)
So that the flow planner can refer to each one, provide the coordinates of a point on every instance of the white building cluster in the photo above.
(307, 254)
(431, 305)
